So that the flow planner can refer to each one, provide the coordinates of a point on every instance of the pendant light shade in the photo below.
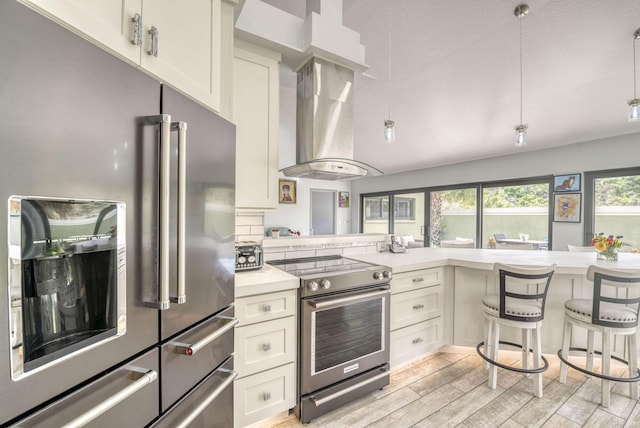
(634, 104)
(389, 131)
(521, 129)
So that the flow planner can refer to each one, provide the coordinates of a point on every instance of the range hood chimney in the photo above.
(324, 117)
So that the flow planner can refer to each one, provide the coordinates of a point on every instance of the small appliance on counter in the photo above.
(248, 255)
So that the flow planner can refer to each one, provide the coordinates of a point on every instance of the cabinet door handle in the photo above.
(153, 32)
(418, 306)
(266, 396)
(137, 30)
(418, 279)
(266, 347)
(266, 307)
(417, 340)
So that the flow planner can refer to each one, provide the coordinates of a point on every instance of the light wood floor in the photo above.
(450, 390)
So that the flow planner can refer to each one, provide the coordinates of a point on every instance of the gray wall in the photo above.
(609, 153)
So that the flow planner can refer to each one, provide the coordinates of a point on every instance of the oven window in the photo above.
(347, 333)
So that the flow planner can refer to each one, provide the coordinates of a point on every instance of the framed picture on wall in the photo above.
(567, 183)
(343, 199)
(287, 191)
(567, 207)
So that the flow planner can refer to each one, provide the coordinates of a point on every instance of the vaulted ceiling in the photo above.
(449, 74)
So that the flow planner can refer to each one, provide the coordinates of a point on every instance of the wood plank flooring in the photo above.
(450, 390)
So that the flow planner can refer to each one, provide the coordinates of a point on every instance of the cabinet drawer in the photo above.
(264, 394)
(266, 307)
(413, 341)
(407, 281)
(416, 306)
(266, 345)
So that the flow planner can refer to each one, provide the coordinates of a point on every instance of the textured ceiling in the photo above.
(454, 82)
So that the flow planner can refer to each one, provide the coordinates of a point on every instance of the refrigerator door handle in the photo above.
(232, 375)
(181, 127)
(143, 377)
(164, 120)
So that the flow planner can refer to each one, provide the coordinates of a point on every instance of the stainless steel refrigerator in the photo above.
(118, 220)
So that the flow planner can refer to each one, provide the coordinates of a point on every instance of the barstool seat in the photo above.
(520, 303)
(612, 310)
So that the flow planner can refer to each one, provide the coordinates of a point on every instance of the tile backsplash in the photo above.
(249, 226)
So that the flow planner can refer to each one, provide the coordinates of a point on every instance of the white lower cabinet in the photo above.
(417, 307)
(265, 356)
(264, 394)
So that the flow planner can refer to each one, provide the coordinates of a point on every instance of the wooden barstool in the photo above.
(613, 310)
(520, 304)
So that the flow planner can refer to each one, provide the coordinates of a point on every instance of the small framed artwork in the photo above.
(343, 199)
(567, 207)
(287, 191)
(566, 183)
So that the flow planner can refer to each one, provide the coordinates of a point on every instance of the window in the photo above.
(519, 210)
(612, 205)
(376, 208)
(404, 208)
(453, 215)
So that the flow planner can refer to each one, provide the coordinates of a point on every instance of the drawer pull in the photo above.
(266, 347)
(417, 340)
(190, 349)
(266, 396)
(418, 279)
(266, 307)
(418, 306)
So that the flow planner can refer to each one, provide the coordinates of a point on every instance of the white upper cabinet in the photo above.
(256, 80)
(186, 53)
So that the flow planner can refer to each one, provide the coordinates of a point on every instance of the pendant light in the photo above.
(521, 129)
(634, 104)
(389, 125)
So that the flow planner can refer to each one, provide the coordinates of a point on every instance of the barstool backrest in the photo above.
(620, 290)
(523, 285)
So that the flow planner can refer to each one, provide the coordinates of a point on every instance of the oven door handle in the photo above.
(320, 401)
(144, 378)
(340, 300)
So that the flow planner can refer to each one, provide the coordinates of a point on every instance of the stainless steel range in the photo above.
(343, 331)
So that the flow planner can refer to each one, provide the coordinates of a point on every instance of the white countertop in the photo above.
(423, 258)
(306, 240)
(265, 280)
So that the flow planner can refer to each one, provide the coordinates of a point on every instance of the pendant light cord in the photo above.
(635, 93)
(520, 19)
(389, 59)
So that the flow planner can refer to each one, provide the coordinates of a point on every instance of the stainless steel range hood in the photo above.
(324, 117)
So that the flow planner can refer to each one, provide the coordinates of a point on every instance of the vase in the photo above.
(608, 254)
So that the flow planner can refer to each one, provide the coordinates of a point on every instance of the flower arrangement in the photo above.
(607, 246)
(293, 232)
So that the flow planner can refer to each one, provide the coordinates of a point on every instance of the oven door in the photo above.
(343, 335)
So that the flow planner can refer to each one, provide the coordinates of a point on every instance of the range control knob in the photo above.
(325, 284)
(313, 286)
(242, 260)
(387, 274)
(377, 275)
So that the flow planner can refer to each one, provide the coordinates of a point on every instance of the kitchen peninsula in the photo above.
(468, 276)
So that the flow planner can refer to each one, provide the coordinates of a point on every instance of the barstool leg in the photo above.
(526, 345)
(633, 365)
(493, 370)
(566, 341)
(488, 329)
(537, 353)
(606, 366)
(590, 334)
